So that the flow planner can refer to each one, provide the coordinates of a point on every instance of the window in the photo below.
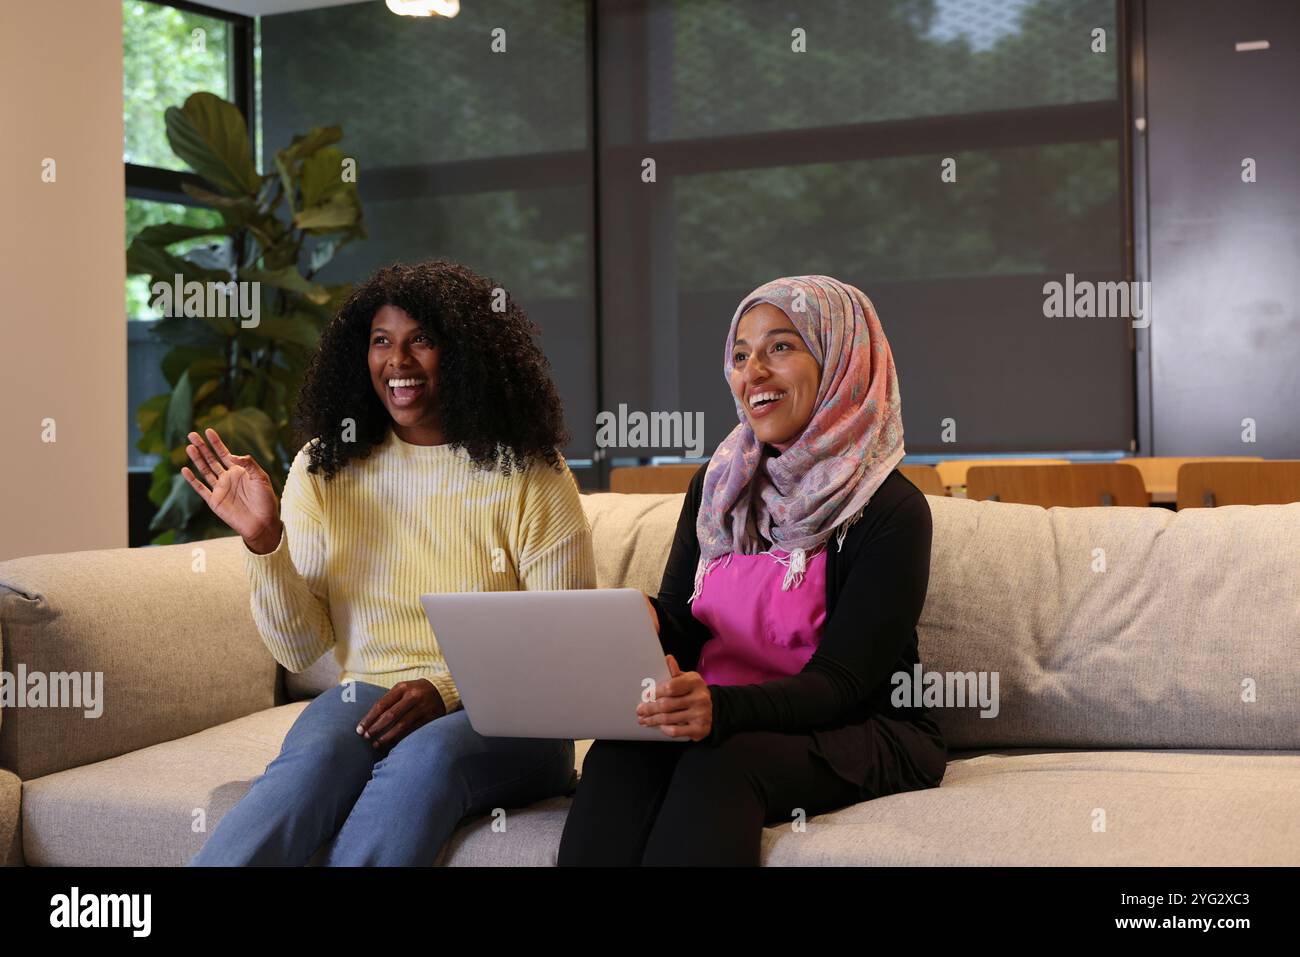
(169, 52)
(462, 153)
(772, 162)
(526, 164)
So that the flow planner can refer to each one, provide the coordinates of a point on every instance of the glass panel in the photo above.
(141, 213)
(167, 55)
(408, 90)
(955, 268)
(462, 153)
(733, 69)
(1026, 210)
(534, 242)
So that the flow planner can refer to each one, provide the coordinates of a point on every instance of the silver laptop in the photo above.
(550, 664)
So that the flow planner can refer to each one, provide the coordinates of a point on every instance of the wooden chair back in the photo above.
(924, 477)
(652, 479)
(1207, 484)
(953, 472)
(1077, 485)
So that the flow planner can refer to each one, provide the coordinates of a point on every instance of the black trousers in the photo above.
(692, 803)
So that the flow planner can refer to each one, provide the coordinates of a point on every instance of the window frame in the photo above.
(164, 185)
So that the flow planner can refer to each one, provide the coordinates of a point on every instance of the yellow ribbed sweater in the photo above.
(359, 550)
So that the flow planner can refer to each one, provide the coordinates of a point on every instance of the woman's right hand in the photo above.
(240, 495)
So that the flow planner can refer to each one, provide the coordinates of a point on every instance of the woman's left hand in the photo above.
(683, 705)
(406, 706)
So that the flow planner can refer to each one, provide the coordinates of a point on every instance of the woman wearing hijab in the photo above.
(791, 596)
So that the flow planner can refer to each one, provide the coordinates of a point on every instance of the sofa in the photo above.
(1148, 707)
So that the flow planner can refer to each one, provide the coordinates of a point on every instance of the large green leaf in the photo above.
(180, 412)
(179, 359)
(148, 419)
(246, 431)
(295, 328)
(206, 389)
(284, 168)
(339, 212)
(212, 137)
(306, 144)
(288, 279)
(186, 331)
(322, 176)
(245, 205)
(218, 257)
(222, 326)
(156, 262)
(164, 234)
(180, 506)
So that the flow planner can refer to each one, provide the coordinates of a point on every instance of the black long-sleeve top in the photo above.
(875, 589)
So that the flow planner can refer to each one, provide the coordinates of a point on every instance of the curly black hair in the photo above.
(495, 395)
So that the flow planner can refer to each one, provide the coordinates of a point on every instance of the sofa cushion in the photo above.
(1019, 807)
(631, 536)
(142, 808)
(169, 628)
(11, 823)
(1016, 808)
(1118, 627)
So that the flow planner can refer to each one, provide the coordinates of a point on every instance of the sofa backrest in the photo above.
(1106, 627)
(167, 630)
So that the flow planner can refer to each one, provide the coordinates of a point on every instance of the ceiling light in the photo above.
(424, 8)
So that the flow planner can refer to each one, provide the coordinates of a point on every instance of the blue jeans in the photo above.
(393, 805)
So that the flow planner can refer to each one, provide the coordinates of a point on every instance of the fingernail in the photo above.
(360, 730)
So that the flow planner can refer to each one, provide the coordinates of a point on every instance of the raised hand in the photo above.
(238, 491)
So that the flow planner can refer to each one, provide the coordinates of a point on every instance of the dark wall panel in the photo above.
(1225, 255)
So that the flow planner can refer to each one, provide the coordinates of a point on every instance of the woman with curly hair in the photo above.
(430, 464)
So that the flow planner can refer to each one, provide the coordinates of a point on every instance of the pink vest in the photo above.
(759, 631)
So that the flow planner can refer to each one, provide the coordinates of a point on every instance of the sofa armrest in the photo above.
(106, 652)
(11, 810)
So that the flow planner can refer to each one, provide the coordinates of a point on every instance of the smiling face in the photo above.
(773, 376)
(404, 371)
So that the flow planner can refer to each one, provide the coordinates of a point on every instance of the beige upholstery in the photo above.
(1171, 808)
(1159, 808)
(11, 829)
(1118, 634)
(143, 805)
(170, 629)
(1152, 652)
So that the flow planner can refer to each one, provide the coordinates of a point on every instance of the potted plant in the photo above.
(230, 367)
